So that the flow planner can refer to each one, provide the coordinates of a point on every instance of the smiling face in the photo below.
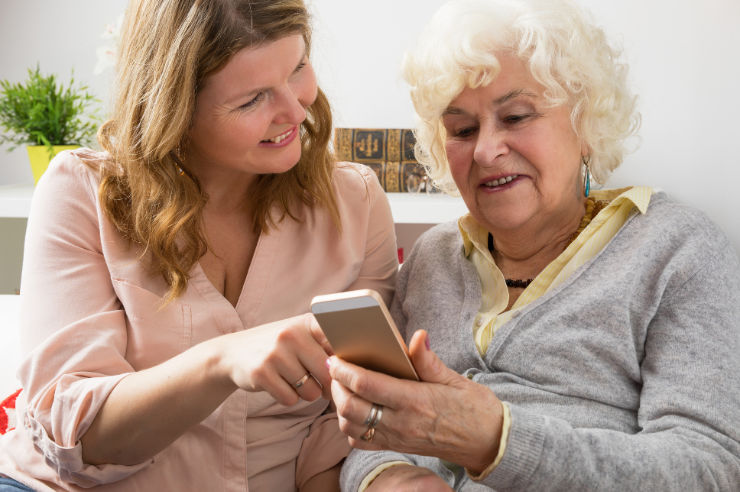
(514, 158)
(248, 114)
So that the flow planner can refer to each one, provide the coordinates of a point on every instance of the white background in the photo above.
(684, 57)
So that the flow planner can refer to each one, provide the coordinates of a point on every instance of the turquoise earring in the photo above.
(587, 177)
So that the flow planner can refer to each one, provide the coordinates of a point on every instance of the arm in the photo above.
(149, 409)
(380, 265)
(85, 399)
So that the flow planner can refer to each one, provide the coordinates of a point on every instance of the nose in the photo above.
(291, 107)
(490, 145)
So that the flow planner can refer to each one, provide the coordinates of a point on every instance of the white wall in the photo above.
(683, 55)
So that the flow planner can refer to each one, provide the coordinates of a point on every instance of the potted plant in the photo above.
(46, 116)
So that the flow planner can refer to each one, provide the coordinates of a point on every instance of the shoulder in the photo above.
(354, 175)
(437, 249)
(70, 169)
(675, 239)
(72, 177)
(356, 183)
(672, 223)
(442, 238)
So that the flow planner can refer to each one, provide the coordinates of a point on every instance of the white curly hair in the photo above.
(565, 51)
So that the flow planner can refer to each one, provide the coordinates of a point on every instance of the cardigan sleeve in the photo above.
(73, 329)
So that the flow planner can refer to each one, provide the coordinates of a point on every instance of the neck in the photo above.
(227, 194)
(526, 251)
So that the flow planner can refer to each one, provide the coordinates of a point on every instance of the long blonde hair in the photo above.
(168, 49)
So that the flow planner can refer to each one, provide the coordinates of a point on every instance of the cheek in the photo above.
(460, 158)
(308, 87)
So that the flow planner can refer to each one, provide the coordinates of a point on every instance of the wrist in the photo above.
(490, 442)
(217, 365)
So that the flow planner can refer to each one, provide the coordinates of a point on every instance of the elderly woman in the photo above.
(565, 338)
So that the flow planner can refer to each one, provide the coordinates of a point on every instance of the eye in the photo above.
(300, 66)
(252, 102)
(515, 118)
(465, 132)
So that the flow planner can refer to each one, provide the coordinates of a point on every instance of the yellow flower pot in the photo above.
(40, 157)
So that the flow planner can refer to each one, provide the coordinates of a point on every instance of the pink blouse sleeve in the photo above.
(73, 330)
(325, 445)
(380, 267)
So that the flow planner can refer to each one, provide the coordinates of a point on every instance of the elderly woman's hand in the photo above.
(445, 415)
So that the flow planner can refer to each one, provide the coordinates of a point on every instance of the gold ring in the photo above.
(301, 381)
(368, 435)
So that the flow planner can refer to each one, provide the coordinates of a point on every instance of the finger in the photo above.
(352, 412)
(319, 336)
(428, 366)
(372, 386)
(306, 387)
(311, 353)
(271, 382)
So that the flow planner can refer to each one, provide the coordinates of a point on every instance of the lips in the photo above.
(280, 138)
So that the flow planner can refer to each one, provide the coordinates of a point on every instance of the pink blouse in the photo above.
(90, 315)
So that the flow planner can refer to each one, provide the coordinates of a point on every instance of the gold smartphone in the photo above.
(361, 331)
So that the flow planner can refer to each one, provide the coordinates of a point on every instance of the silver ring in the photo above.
(378, 416)
(301, 381)
(373, 418)
(371, 415)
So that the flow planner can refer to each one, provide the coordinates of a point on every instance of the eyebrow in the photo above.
(453, 110)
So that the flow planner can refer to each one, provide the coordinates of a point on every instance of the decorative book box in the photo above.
(389, 152)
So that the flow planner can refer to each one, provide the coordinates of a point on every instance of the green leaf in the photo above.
(41, 111)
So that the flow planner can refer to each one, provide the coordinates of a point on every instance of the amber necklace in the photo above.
(593, 207)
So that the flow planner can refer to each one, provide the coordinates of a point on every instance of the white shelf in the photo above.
(422, 208)
(407, 208)
(15, 200)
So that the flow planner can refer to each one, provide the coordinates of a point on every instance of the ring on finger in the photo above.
(301, 381)
(373, 418)
(368, 435)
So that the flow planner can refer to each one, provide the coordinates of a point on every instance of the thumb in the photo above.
(428, 366)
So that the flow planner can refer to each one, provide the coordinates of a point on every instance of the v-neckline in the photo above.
(253, 288)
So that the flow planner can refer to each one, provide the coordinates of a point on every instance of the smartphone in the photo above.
(361, 331)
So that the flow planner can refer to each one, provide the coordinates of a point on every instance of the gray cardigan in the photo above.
(624, 377)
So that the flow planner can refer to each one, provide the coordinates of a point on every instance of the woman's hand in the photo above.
(407, 478)
(445, 415)
(286, 358)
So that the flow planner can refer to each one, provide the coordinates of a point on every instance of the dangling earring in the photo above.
(587, 177)
(177, 154)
